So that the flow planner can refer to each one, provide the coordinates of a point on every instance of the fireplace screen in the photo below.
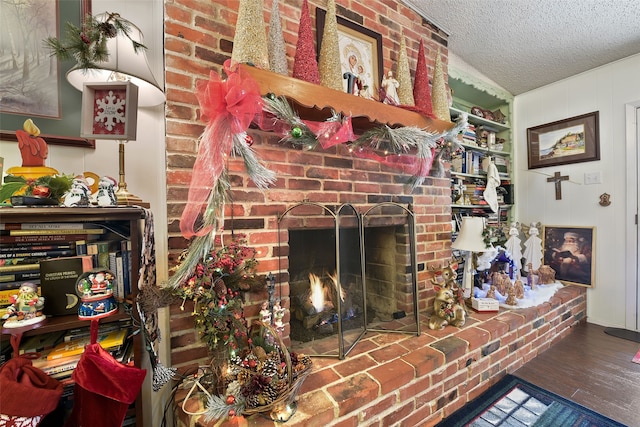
(348, 273)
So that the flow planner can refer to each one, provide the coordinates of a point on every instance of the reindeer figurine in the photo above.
(448, 306)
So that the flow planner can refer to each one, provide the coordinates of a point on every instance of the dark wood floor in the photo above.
(593, 369)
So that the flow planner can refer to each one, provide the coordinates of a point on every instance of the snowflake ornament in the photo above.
(110, 111)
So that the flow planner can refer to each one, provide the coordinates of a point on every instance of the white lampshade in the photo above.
(124, 64)
(470, 235)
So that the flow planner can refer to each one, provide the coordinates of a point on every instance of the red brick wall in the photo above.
(199, 38)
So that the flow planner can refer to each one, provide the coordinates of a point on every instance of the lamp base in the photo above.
(125, 198)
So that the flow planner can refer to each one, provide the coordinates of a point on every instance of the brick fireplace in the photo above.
(388, 378)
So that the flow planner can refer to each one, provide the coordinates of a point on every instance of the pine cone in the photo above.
(269, 368)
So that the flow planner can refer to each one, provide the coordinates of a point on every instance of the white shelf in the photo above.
(476, 120)
(503, 176)
(485, 150)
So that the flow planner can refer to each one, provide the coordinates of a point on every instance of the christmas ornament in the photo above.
(305, 66)
(249, 140)
(439, 96)
(421, 90)
(276, 47)
(250, 41)
(296, 132)
(405, 91)
(329, 65)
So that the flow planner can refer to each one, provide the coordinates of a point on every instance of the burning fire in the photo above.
(318, 295)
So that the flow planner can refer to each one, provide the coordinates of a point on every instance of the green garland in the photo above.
(88, 45)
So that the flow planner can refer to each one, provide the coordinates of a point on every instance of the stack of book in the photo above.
(469, 135)
(59, 360)
(24, 245)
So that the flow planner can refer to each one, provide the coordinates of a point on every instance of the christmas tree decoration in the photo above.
(250, 41)
(305, 66)
(276, 47)
(439, 98)
(405, 91)
(329, 64)
(421, 90)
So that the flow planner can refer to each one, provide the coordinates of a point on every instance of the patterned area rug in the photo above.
(513, 402)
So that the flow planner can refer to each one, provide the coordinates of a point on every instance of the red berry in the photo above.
(231, 399)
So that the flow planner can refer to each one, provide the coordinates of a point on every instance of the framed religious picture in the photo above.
(570, 252)
(360, 54)
(572, 140)
(36, 87)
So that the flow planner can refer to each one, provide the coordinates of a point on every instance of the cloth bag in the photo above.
(104, 388)
(27, 394)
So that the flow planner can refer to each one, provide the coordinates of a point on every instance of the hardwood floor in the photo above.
(593, 369)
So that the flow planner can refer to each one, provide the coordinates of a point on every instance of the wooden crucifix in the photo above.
(557, 178)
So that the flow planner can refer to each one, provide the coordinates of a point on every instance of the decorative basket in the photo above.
(258, 382)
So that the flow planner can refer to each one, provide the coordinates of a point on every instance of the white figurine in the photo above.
(390, 86)
(265, 314)
(533, 249)
(278, 316)
(78, 195)
(106, 192)
(513, 247)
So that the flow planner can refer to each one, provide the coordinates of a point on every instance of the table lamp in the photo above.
(129, 67)
(469, 240)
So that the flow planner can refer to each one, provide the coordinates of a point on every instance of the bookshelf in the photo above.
(119, 223)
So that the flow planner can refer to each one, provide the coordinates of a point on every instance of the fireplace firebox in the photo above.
(349, 273)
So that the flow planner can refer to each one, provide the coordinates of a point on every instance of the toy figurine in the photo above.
(533, 248)
(390, 86)
(78, 195)
(265, 313)
(26, 307)
(106, 192)
(278, 316)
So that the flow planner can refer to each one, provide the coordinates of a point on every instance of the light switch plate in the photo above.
(592, 178)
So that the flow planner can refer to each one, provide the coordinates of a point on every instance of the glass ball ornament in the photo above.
(296, 132)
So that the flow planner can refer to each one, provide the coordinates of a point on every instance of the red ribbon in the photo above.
(230, 105)
(331, 133)
(408, 164)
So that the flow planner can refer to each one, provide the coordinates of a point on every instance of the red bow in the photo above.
(230, 105)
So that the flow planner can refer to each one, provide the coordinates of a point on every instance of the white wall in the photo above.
(606, 89)
(145, 158)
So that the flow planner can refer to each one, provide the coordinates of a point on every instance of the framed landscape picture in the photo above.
(32, 82)
(572, 140)
(570, 252)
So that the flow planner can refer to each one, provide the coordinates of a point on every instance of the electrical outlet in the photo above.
(592, 178)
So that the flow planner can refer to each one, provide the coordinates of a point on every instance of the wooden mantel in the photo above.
(315, 102)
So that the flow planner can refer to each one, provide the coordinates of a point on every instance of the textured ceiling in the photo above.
(524, 44)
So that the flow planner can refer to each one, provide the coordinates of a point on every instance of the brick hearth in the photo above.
(393, 379)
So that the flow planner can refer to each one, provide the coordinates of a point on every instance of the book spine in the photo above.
(125, 246)
(40, 254)
(19, 267)
(81, 247)
(43, 238)
(55, 231)
(103, 255)
(42, 226)
(119, 276)
(34, 247)
(20, 275)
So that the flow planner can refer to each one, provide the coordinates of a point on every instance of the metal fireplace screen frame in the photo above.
(310, 215)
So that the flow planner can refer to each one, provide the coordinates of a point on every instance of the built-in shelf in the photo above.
(477, 120)
(315, 102)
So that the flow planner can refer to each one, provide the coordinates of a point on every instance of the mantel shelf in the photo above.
(315, 102)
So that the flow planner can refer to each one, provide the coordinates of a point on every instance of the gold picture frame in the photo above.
(570, 251)
(360, 51)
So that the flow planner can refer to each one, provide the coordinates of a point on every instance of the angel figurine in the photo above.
(533, 249)
(512, 245)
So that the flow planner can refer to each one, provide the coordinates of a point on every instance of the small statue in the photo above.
(107, 192)
(390, 87)
(513, 246)
(446, 311)
(511, 298)
(545, 274)
(26, 307)
(533, 247)
(265, 313)
(519, 288)
(278, 316)
(78, 195)
(491, 293)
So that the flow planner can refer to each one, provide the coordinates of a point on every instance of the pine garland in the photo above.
(88, 45)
